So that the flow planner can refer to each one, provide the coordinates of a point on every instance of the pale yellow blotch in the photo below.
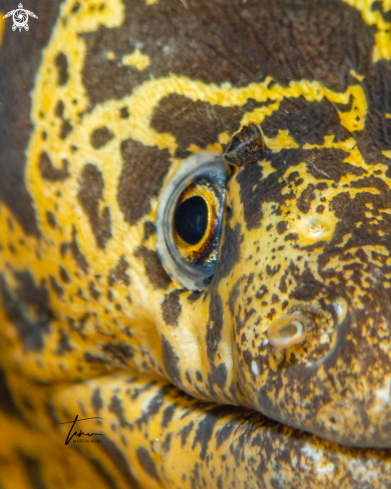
(382, 49)
(110, 55)
(283, 140)
(224, 138)
(137, 59)
(259, 114)
(2, 27)
(387, 153)
(357, 76)
(355, 118)
(313, 228)
(151, 2)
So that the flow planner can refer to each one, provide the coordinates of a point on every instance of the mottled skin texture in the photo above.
(90, 322)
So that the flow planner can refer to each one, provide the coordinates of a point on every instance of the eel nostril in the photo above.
(287, 331)
(341, 309)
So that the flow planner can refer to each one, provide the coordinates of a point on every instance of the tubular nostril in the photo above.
(341, 309)
(287, 331)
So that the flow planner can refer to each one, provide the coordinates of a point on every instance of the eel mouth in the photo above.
(343, 396)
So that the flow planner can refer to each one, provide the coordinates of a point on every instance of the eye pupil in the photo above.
(191, 219)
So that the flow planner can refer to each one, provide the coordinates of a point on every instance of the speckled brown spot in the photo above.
(50, 172)
(171, 308)
(156, 273)
(100, 137)
(89, 195)
(61, 62)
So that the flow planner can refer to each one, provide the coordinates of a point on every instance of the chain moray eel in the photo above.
(195, 244)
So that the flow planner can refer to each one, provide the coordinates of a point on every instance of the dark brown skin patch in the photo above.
(66, 126)
(198, 123)
(149, 230)
(97, 401)
(376, 136)
(307, 196)
(119, 351)
(141, 179)
(30, 330)
(205, 427)
(171, 308)
(218, 376)
(170, 360)
(7, 403)
(59, 110)
(116, 407)
(307, 122)
(49, 171)
(328, 164)
(18, 65)
(64, 344)
(90, 358)
(95, 294)
(307, 287)
(100, 137)
(168, 414)
(37, 296)
(51, 219)
(107, 478)
(231, 41)
(59, 291)
(282, 227)
(64, 275)
(254, 190)
(89, 195)
(224, 433)
(215, 326)
(119, 273)
(230, 253)
(33, 470)
(272, 270)
(186, 432)
(147, 463)
(78, 256)
(124, 113)
(194, 296)
(61, 63)
(156, 273)
(120, 462)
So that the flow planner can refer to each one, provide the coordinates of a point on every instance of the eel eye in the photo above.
(190, 218)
